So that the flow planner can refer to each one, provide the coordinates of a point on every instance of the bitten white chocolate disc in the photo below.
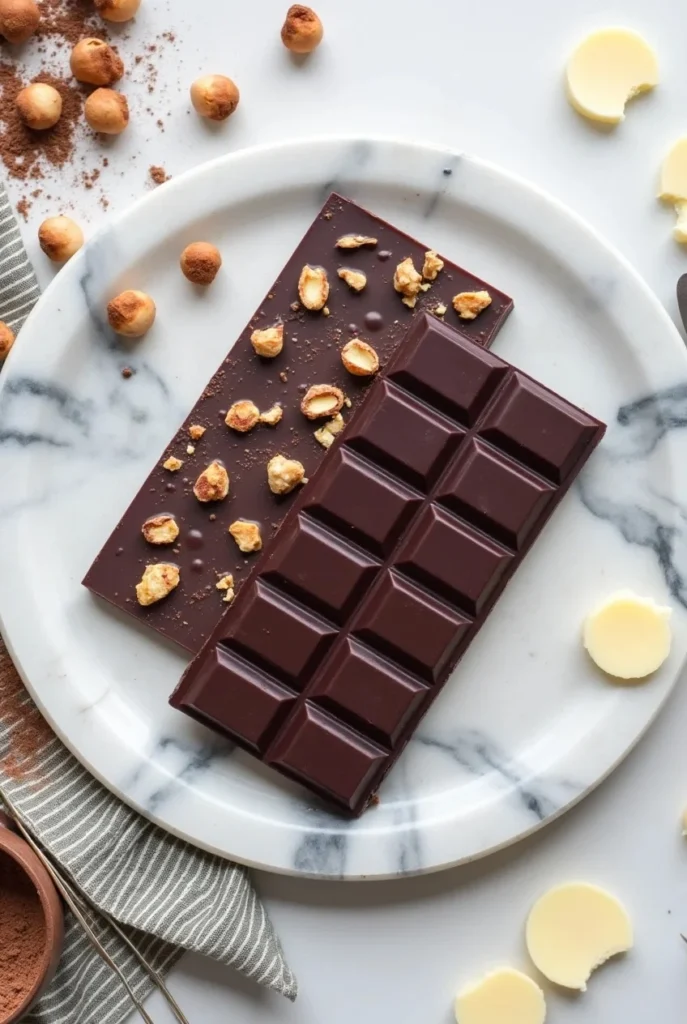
(607, 69)
(628, 636)
(573, 929)
(505, 996)
(673, 188)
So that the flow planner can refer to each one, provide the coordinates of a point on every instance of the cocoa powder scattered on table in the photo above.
(29, 732)
(22, 935)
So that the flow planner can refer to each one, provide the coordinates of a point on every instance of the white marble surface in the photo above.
(498, 94)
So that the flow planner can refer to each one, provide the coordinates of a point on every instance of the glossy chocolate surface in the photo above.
(311, 355)
(388, 564)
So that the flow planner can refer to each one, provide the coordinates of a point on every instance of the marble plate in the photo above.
(527, 726)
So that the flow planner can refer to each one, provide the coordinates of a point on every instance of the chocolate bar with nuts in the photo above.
(388, 564)
(262, 426)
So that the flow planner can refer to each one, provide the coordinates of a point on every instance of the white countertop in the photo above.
(486, 78)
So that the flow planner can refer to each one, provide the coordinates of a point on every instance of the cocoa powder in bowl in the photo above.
(22, 936)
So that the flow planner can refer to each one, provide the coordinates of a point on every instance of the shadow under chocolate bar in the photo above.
(311, 355)
(388, 564)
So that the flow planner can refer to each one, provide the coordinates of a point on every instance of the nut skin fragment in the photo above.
(200, 263)
(60, 238)
(269, 342)
(19, 19)
(173, 464)
(355, 241)
(322, 400)
(158, 581)
(325, 435)
(94, 62)
(302, 30)
(195, 431)
(131, 313)
(117, 10)
(407, 282)
(246, 535)
(212, 484)
(243, 416)
(215, 97)
(468, 305)
(432, 266)
(272, 416)
(359, 358)
(39, 106)
(161, 529)
(7, 339)
(355, 279)
(107, 112)
(313, 287)
(284, 474)
(504, 995)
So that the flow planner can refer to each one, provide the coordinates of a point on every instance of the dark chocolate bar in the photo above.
(388, 564)
(311, 355)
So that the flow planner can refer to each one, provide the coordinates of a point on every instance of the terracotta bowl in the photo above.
(15, 847)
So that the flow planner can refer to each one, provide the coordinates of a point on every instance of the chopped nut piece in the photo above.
(160, 529)
(440, 310)
(284, 474)
(226, 582)
(195, 431)
(359, 358)
(173, 464)
(158, 581)
(190, 449)
(246, 535)
(212, 484)
(270, 342)
(326, 434)
(242, 416)
(313, 287)
(425, 287)
(469, 305)
(322, 400)
(432, 266)
(272, 416)
(347, 402)
(407, 281)
(229, 596)
(326, 311)
(355, 279)
(354, 241)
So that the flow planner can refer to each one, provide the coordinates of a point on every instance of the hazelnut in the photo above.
(432, 266)
(160, 529)
(242, 416)
(107, 111)
(359, 358)
(212, 484)
(117, 10)
(272, 416)
(215, 97)
(469, 305)
(195, 431)
(326, 434)
(355, 241)
(407, 281)
(270, 342)
(94, 62)
(355, 279)
(19, 19)
(322, 400)
(313, 287)
(284, 474)
(158, 581)
(131, 313)
(246, 535)
(226, 583)
(6, 340)
(39, 106)
(60, 238)
(173, 464)
(302, 31)
(200, 262)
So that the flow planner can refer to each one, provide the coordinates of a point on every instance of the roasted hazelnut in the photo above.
(212, 484)
(432, 266)
(272, 416)
(355, 241)
(246, 535)
(173, 464)
(284, 474)
(313, 287)
(355, 279)
(268, 343)
(196, 431)
(242, 416)
(60, 238)
(302, 31)
(96, 63)
(469, 305)
(322, 400)
(158, 581)
(162, 529)
(19, 19)
(407, 281)
(325, 435)
(6, 340)
(215, 97)
(131, 313)
(359, 358)
(117, 10)
(200, 262)
(107, 111)
(39, 106)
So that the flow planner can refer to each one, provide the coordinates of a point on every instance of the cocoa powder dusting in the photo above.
(70, 21)
(22, 935)
(29, 732)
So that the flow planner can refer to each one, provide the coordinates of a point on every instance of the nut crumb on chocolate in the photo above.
(268, 342)
(196, 431)
(407, 282)
(284, 474)
(355, 279)
(243, 416)
(246, 535)
(325, 434)
(158, 580)
(322, 400)
(162, 529)
(272, 416)
(468, 305)
(432, 266)
(173, 464)
(212, 484)
(355, 241)
(313, 287)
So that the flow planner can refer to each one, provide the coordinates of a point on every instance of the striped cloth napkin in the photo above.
(171, 896)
